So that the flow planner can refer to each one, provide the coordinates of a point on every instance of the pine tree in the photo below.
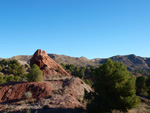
(114, 87)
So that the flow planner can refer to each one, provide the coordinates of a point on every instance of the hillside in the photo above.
(132, 61)
(60, 90)
(56, 89)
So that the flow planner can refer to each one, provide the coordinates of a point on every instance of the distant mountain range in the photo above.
(132, 61)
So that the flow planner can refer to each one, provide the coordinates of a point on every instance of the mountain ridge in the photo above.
(132, 61)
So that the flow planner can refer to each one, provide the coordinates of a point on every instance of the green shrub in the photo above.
(88, 82)
(141, 86)
(3, 64)
(15, 68)
(16, 78)
(1, 68)
(28, 95)
(10, 78)
(35, 74)
(2, 80)
(26, 66)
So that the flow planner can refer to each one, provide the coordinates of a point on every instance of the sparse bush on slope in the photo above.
(35, 74)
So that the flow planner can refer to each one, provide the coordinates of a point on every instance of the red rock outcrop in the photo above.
(47, 65)
(13, 91)
(67, 93)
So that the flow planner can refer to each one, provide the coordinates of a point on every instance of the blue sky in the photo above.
(90, 28)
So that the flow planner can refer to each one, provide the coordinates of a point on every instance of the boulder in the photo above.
(14, 91)
(47, 65)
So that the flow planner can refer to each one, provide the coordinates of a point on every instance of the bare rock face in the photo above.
(14, 91)
(47, 65)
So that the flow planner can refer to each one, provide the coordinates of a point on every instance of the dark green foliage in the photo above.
(114, 87)
(91, 71)
(63, 66)
(16, 78)
(80, 72)
(35, 74)
(26, 66)
(6, 78)
(70, 67)
(21, 71)
(77, 71)
(87, 81)
(141, 86)
(10, 78)
(148, 84)
(1, 79)
(74, 70)
(1, 68)
(3, 64)
(15, 68)
(11, 67)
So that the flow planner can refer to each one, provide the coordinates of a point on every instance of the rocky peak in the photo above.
(41, 53)
(47, 65)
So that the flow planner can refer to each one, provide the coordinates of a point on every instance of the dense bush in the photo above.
(87, 81)
(35, 74)
(114, 87)
(15, 68)
(77, 71)
(11, 67)
(13, 71)
(3, 64)
(80, 72)
(1, 79)
(6, 78)
(142, 86)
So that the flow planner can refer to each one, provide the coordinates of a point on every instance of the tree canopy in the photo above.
(114, 87)
(15, 68)
(142, 86)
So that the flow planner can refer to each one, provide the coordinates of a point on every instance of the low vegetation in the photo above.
(84, 73)
(12, 70)
(35, 74)
(11, 67)
(6, 78)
